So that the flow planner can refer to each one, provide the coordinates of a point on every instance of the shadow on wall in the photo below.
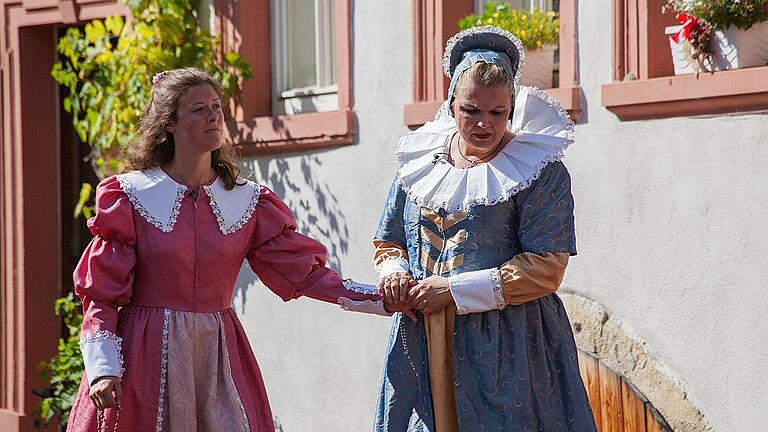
(313, 203)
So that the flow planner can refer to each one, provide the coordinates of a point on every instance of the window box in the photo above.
(539, 67)
(733, 48)
(644, 85)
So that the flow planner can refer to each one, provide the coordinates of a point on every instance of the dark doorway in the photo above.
(75, 171)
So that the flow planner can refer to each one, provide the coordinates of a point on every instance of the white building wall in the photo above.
(672, 228)
(322, 366)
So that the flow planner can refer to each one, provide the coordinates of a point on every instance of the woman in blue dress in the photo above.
(481, 215)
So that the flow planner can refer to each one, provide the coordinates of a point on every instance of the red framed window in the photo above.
(434, 21)
(317, 111)
(644, 85)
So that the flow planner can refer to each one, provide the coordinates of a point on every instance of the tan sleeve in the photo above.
(529, 276)
(389, 257)
(387, 250)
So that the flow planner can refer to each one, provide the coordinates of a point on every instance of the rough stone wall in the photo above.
(613, 342)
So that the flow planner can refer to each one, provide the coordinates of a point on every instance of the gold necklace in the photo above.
(474, 163)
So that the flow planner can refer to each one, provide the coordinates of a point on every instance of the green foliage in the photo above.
(107, 68)
(83, 208)
(65, 370)
(535, 29)
(721, 14)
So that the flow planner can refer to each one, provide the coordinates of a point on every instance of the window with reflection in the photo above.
(304, 56)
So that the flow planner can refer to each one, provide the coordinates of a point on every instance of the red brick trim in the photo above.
(569, 98)
(417, 113)
(292, 133)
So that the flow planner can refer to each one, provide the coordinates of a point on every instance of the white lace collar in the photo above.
(233, 207)
(543, 130)
(157, 197)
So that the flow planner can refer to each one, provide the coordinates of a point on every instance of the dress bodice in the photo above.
(157, 246)
(537, 219)
(448, 243)
(192, 268)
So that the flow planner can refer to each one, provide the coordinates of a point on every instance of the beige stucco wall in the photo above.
(671, 225)
(673, 238)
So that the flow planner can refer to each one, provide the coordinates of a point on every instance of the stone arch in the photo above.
(605, 337)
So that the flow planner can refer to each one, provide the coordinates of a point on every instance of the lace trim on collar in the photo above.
(233, 208)
(149, 191)
(542, 128)
(157, 198)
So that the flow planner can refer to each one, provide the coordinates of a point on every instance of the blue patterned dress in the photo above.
(514, 369)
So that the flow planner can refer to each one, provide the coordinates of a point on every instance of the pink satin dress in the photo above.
(164, 297)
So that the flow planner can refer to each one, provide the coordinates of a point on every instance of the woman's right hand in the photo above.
(394, 287)
(102, 392)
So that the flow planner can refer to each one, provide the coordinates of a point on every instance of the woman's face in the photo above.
(481, 115)
(199, 121)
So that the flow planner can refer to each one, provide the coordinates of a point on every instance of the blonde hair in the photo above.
(153, 146)
(482, 74)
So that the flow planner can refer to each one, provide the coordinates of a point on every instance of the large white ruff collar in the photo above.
(543, 130)
(157, 197)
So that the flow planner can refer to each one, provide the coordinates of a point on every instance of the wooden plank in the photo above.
(633, 409)
(652, 424)
(589, 374)
(611, 417)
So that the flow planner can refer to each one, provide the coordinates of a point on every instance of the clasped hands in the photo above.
(404, 294)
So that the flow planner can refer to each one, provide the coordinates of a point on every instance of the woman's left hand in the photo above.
(432, 294)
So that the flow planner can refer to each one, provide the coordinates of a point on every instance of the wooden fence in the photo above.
(617, 405)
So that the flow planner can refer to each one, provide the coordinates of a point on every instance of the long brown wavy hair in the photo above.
(153, 146)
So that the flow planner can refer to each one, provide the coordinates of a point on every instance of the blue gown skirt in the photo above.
(515, 369)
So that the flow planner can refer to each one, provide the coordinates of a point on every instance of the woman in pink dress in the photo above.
(163, 348)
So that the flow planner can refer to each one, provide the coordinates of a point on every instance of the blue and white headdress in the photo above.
(488, 44)
(541, 129)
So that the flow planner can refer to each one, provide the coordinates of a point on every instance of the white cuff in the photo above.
(393, 265)
(365, 306)
(477, 291)
(102, 354)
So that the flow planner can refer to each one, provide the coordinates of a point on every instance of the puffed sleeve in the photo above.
(103, 279)
(546, 233)
(391, 253)
(293, 265)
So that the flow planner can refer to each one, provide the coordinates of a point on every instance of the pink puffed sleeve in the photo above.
(104, 279)
(293, 265)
